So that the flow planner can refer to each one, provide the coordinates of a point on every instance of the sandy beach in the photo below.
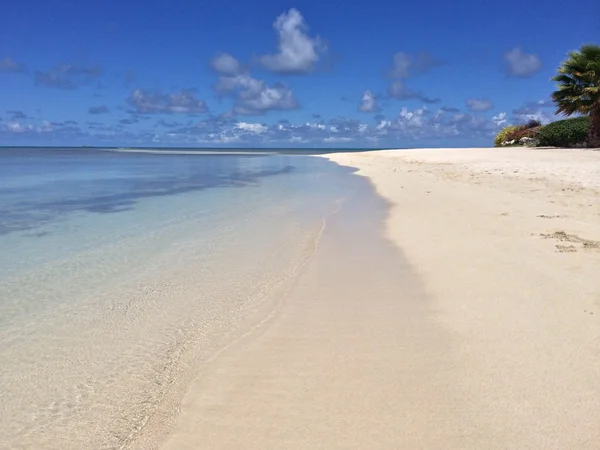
(459, 311)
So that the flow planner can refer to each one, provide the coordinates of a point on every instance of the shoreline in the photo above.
(507, 245)
(462, 314)
(433, 298)
(320, 371)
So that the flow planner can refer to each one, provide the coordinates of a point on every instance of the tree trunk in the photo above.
(593, 137)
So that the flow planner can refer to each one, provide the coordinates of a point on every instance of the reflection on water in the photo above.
(40, 186)
(103, 315)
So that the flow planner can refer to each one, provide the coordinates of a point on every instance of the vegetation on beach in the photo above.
(503, 134)
(579, 89)
(518, 134)
(578, 94)
(565, 133)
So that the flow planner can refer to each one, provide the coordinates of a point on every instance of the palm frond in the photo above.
(578, 81)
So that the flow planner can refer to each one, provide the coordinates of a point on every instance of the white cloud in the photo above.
(521, 64)
(251, 127)
(45, 126)
(541, 110)
(17, 127)
(383, 124)
(254, 96)
(500, 119)
(368, 102)
(338, 139)
(523, 115)
(398, 90)
(10, 65)
(67, 76)
(410, 125)
(102, 109)
(412, 118)
(405, 65)
(181, 102)
(401, 65)
(297, 51)
(479, 104)
(420, 124)
(225, 64)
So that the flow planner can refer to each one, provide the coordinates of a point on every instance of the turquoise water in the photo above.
(120, 273)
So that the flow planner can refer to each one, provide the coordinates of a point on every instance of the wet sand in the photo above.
(464, 313)
(349, 358)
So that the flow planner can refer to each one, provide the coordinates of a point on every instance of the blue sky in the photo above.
(276, 74)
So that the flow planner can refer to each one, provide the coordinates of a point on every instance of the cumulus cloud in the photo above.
(297, 51)
(9, 65)
(128, 121)
(16, 127)
(368, 102)
(534, 106)
(401, 66)
(500, 119)
(16, 115)
(164, 123)
(103, 109)
(405, 65)
(521, 64)
(398, 90)
(417, 124)
(526, 113)
(225, 64)
(43, 128)
(447, 109)
(253, 96)
(410, 125)
(251, 127)
(535, 110)
(479, 104)
(67, 76)
(181, 102)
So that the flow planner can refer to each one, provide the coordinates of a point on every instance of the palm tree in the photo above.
(579, 88)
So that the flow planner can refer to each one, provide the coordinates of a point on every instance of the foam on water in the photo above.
(120, 274)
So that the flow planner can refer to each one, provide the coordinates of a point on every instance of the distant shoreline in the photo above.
(205, 150)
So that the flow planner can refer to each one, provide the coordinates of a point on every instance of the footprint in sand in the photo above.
(562, 236)
(566, 248)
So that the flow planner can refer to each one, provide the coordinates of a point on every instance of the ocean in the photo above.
(121, 274)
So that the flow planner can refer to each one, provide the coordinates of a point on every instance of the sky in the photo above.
(277, 74)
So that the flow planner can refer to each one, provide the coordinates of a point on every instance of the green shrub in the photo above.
(564, 133)
(503, 133)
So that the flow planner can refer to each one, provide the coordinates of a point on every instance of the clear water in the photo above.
(121, 273)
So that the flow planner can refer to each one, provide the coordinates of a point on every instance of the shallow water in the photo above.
(121, 273)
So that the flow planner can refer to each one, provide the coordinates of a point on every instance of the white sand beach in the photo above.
(470, 320)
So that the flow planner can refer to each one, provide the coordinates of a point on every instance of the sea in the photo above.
(123, 272)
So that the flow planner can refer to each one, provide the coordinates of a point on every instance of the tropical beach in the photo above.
(471, 321)
(427, 298)
(318, 225)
